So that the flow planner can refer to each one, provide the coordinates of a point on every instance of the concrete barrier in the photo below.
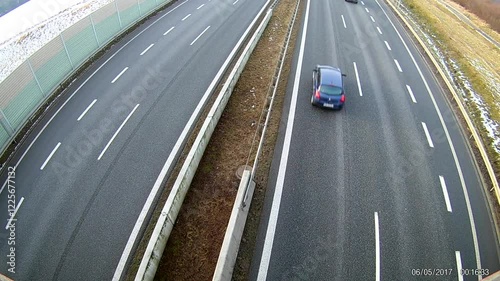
(234, 231)
(165, 223)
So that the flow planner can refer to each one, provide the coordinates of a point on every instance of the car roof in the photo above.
(330, 75)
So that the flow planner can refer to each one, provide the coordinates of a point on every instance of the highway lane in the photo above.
(81, 202)
(361, 193)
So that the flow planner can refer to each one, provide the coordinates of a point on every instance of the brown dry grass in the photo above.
(478, 21)
(485, 9)
(249, 239)
(194, 244)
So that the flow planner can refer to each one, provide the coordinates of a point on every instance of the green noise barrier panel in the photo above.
(4, 136)
(54, 71)
(129, 15)
(107, 28)
(147, 6)
(81, 45)
(22, 104)
(31, 83)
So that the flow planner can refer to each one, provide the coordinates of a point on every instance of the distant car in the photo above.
(352, 1)
(328, 87)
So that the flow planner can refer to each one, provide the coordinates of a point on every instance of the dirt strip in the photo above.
(194, 244)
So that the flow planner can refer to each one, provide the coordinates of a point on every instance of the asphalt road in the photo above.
(385, 189)
(81, 185)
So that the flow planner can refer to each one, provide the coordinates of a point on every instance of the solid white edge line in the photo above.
(458, 259)
(427, 135)
(116, 133)
(83, 84)
(452, 147)
(147, 49)
(377, 248)
(86, 110)
(379, 31)
(357, 79)
(387, 45)
(170, 29)
(445, 193)
(184, 18)
(14, 214)
(200, 6)
(343, 21)
(50, 156)
(397, 65)
(373, 20)
(118, 76)
(411, 94)
(199, 36)
(158, 183)
(273, 216)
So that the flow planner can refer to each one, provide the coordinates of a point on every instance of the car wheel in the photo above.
(312, 100)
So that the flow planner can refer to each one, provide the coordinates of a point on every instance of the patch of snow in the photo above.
(31, 14)
(494, 82)
(34, 24)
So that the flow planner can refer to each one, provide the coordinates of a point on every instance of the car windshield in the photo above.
(331, 90)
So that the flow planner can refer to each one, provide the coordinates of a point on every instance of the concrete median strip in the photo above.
(234, 231)
(232, 239)
(165, 223)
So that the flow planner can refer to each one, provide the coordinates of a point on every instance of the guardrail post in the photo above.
(6, 124)
(34, 76)
(95, 32)
(66, 49)
(118, 13)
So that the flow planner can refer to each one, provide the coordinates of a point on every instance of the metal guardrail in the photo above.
(34, 81)
(165, 223)
(271, 94)
(463, 111)
(234, 231)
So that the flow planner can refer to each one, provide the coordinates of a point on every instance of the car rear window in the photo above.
(331, 90)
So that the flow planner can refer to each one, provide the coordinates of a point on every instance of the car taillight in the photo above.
(342, 98)
(316, 95)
